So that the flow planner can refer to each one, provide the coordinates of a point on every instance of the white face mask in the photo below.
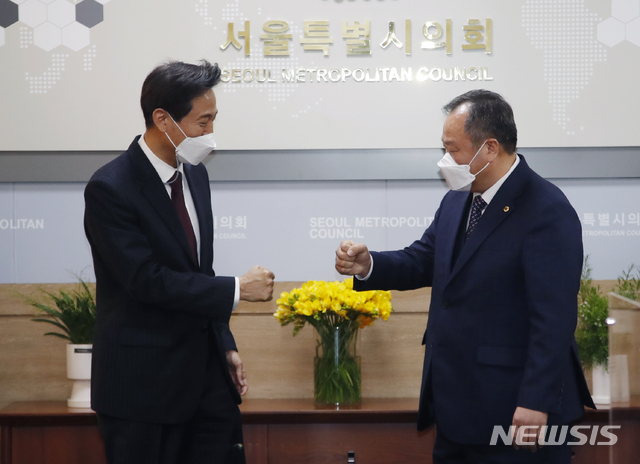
(459, 176)
(192, 150)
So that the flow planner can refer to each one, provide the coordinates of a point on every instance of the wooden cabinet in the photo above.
(380, 431)
(295, 431)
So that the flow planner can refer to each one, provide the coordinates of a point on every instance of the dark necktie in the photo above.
(477, 207)
(177, 198)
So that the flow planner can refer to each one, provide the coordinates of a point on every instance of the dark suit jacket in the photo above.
(155, 305)
(502, 315)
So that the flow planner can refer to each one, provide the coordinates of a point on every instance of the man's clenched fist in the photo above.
(257, 284)
(353, 259)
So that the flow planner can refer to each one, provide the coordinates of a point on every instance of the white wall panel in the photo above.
(294, 228)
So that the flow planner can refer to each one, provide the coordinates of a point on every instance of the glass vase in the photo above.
(336, 366)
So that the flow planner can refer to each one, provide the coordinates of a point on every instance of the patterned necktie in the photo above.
(477, 207)
(177, 198)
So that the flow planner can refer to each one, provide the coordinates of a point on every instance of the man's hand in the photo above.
(236, 369)
(528, 428)
(353, 259)
(257, 284)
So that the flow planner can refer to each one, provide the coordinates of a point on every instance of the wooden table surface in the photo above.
(260, 411)
(254, 411)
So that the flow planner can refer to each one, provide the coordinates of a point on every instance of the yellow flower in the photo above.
(329, 303)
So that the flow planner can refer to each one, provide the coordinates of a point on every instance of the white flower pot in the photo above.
(79, 370)
(601, 385)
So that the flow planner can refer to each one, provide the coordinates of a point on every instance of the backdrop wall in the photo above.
(329, 120)
(322, 74)
(294, 227)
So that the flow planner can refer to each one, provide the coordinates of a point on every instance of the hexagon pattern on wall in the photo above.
(49, 24)
(33, 12)
(47, 36)
(633, 31)
(622, 24)
(61, 13)
(89, 13)
(55, 14)
(8, 13)
(75, 36)
(611, 32)
(625, 10)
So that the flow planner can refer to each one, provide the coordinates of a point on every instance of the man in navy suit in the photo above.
(503, 257)
(166, 374)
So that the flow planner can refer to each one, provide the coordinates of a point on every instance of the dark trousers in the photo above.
(446, 451)
(212, 436)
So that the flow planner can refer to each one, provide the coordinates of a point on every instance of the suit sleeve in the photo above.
(118, 241)
(405, 269)
(552, 264)
(227, 342)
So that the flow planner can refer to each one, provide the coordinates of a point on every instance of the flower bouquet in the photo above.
(336, 311)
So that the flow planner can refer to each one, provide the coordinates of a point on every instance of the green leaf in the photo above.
(57, 324)
(74, 313)
(592, 331)
(56, 334)
(629, 285)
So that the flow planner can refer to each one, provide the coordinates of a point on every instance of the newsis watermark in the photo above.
(557, 435)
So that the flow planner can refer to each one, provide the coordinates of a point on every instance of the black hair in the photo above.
(173, 85)
(489, 116)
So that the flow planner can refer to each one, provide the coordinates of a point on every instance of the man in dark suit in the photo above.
(166, 375)
(503, 257)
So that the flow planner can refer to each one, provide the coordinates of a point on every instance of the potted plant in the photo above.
(74, 314)
(628, 286)
(592, 334)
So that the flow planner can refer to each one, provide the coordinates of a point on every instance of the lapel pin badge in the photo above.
(506, 209)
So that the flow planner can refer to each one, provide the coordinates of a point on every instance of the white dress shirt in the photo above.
(166, 172)
(488, 194)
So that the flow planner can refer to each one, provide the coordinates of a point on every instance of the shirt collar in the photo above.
(165, 171)
(488, 195)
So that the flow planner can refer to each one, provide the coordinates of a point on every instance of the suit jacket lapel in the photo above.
(155, 192)
(199, 189)
(502, 205)
(451, 222)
